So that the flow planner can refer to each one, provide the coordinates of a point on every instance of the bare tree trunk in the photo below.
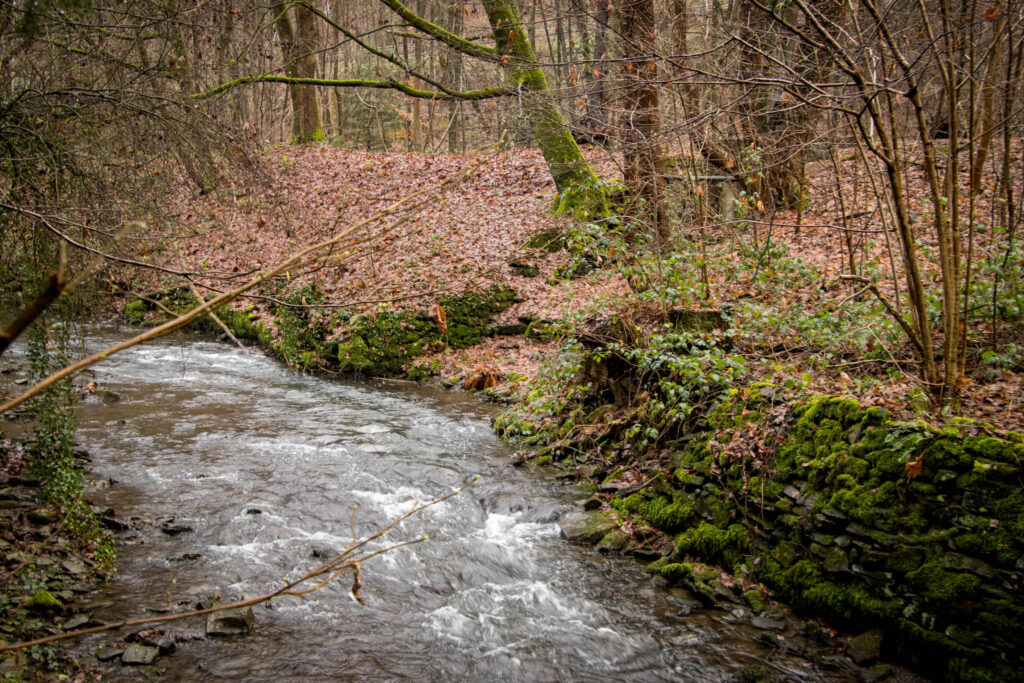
(988, 96)
(299, 53)
(454, 73)
(306, 47)
(645, 170)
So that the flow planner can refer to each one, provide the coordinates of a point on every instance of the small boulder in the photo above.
(43, 603)
(108, 654)
(74, 566)
(230, 622)
(139, 655)
(766, 624)
(166, 644)
(77, 621)
(172, 527)
(587, 527)
(41, 516)
(866, 647)
(613, 542)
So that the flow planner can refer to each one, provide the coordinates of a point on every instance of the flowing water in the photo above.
(266, 465)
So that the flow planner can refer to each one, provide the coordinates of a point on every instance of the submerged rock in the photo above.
(139, 655)
(230, 622)
(172, 527)
(108, 654)
(766, 624)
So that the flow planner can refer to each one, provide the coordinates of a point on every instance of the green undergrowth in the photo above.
(842, 512)
(52, 449)
(646, 395)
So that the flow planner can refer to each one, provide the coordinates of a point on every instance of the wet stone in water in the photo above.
(230, 622)
(139, 655)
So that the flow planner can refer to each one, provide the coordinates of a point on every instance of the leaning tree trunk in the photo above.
(579, 192)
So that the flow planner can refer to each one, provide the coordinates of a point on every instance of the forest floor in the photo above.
(775, 273)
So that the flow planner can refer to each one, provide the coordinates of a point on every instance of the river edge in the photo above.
(49, 579)
(152, 638)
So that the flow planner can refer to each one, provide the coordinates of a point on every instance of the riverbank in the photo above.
(907, 538)
(48, 576)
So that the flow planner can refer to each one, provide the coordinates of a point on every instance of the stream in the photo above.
(265, 465)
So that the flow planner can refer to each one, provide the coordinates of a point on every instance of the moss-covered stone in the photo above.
(43, 602)
(673, 572)
(550, 240)
(667, 514)
(613, 542)
(755, 600)
(866, 648)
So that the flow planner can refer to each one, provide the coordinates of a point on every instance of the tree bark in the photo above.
(645, 167)
(299, 54)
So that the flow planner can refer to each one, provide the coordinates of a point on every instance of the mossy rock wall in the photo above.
(385, 343)
(868, 523)
(382, 344)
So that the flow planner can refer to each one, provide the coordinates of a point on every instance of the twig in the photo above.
(213, 315)
(54, 288)
(914, 339)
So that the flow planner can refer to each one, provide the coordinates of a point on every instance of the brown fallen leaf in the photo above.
(914, 469)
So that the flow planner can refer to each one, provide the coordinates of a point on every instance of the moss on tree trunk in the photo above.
(579, 191)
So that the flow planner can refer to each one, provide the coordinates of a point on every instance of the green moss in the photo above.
(669, 515)
(993, 544)
(613, 541)
(246, 325)
(803, 585)
(727, 546)
(550, 240)
(755, 599)
(135, 312)
(43, 602)
(937, 583)
(387, 342)
(673, 572)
